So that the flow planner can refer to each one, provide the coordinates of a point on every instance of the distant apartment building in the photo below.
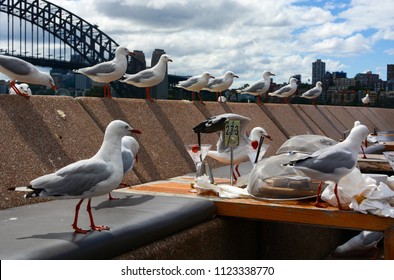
(367, 80)
(318, 71)
(390, 77)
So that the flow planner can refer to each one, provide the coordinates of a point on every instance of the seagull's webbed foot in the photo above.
(99, 228)
(320, 204)
(110, 197)
(79, 230)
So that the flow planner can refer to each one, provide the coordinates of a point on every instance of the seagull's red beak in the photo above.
(136, 158)
(136, 131)
(269, 137)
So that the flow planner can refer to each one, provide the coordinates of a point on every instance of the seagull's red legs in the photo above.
(75, 223)
(319, 203)
(92, 225)
(110, 197)
(337, 197)
(107, 91)
(147, 90)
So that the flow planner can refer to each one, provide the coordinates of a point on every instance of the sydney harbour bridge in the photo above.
(47, 35)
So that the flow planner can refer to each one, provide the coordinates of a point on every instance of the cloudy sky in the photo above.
(249, 36)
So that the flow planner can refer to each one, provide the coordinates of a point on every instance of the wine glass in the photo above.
(253, 151)
(390, 158)
(198, 154)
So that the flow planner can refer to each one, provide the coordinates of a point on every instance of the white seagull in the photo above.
(130, 148)
(87, 178)
(220, 84)
(365, 100)
(149, 77)
(260, 87)
(22, 71)
(333, 163)
(196, 83)
(108, 71)
(286, 91)
(23, 88)
(223, 151)
(313, 93)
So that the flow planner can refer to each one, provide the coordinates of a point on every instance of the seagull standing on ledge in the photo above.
(286, 91)
(108, 71)
(260, 87)
(149, 77)
(365, 100)
(220, 84)
(313, 93)
(87, 178)
(22, 71)
(333, 163)
(196, 83)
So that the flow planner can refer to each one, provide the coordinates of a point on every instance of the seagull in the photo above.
(130, 148)
(313, 93)
(365, 100)
(286, 91)
(19, 70)
(23, 88)
(260, 87)
(223, 151)
(220, 84)
(196, 83)
(108, 71)
(334, 162)
(149, 77)
(87, 178)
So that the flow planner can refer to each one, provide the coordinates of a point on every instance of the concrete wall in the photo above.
(45, 133)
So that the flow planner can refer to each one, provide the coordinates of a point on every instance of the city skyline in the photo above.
(248, 37)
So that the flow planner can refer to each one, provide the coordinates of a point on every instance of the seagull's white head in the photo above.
(230, 74)
(123, 51)
(165, 58)
(319, 84)
(130, 143)
(293, 81)
(259, 132)
(120, 128)
(267, 74)
(207, 75)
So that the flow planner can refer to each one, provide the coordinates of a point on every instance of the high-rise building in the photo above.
(367, 80)
(390, 77)
(318, 71)
(161, 90)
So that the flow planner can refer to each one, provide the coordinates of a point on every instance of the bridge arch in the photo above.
(48, 35)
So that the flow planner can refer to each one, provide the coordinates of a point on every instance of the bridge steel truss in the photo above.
(50, 36)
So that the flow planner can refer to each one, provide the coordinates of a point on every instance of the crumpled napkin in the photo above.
(223, 190)
(362, 193)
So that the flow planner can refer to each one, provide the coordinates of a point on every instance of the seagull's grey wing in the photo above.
(73, 180)
(15, 65)
(99, 69)
(255, 87)
(328, 161)
(128, 160)
(311, 93)
(143, 75)
(188, 82)
(284, 89)
(215, 82)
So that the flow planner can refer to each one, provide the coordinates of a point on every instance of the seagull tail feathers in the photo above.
(30, 191)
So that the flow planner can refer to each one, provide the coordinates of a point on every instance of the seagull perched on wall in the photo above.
(286, 91)
(108, 71)
(149, 77)
(313, 93)
(365, 100)
(223, 151)
(334, 162)
(196, 83)
(221, 83)
(260, 87)
(22, 71)
(87, 178)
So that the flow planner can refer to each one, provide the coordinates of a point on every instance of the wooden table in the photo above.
(303, 212)
(374, 163)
